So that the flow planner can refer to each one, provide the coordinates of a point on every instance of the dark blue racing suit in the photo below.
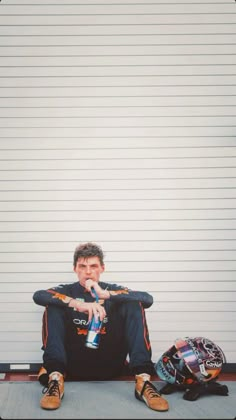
(124, 336)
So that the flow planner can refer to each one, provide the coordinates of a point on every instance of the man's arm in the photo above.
(55, 296)
(119, 293)
(51, 297)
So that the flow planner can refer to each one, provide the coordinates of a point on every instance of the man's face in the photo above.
(88, 268)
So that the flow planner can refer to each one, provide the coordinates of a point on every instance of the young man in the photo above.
(69, 310)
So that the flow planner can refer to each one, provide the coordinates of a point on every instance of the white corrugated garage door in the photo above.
(117, 125)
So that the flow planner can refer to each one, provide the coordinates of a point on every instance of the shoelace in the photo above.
(150, 389)
(52, 389)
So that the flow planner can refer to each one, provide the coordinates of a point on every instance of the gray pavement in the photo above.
(109, 400)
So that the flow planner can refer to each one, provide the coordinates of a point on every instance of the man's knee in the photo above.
(55, 311)
(131, 309)
(53, 318)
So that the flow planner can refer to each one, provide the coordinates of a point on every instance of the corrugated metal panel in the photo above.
(117, 125)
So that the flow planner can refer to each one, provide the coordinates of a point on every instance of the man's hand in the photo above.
(102, 294)
(90, 308)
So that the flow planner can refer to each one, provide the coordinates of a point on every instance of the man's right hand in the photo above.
(90, 308)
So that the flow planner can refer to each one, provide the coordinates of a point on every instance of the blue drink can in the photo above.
(93, 336)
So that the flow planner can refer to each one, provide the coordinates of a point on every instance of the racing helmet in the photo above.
(190, 360)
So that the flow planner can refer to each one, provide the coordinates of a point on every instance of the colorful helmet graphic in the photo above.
(190, 360)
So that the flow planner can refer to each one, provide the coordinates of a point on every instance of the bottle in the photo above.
(94, 333)
(94, 330)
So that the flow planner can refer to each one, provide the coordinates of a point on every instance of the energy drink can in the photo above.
(93, 336)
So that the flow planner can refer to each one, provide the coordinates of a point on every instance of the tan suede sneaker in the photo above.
(145, 391)
(54, 392)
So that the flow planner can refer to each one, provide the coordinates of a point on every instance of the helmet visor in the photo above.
(171, 368)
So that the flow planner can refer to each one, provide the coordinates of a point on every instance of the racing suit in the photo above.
(124, 333)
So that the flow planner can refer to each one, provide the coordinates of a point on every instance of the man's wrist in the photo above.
(108, 295)
(70, 303)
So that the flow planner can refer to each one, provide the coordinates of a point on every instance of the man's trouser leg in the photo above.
(137, 337)
(53, 336)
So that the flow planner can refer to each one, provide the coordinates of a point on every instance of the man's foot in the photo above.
(145, 391)
(54, 392)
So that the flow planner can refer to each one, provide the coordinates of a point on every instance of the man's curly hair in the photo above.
(88, 250)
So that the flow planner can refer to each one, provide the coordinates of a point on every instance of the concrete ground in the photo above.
(109, 400)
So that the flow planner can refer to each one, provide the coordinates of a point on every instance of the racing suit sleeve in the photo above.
(60, 295)
(53, 296)
(124, 294)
